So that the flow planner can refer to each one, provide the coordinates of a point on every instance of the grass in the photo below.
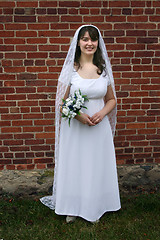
(26, 219)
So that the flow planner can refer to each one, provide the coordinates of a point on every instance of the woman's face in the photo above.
(87, 45)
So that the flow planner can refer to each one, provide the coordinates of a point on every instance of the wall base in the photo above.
(132, 179)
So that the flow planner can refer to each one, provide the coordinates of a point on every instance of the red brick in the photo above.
(114, 33)
(138, 4)
(150, 11)
(10, 129)
(126, 11)
(7, 4)
(89, 4)
(24, 136)
(10, 167)
(47, 4)
(136, 33)
(25, 48)
(5, 161)
(124, 26)
(19, 155)
(73, 11)
(30, 166)
(38, 26)
(48, 76)
(48, 18)
(22, 123)
(119, 4)
(50, 165)
(121, 68)
(43, 122)
(48, 48)
(37, 96)
(41, 166)
(28, 103)
(59, 26)
(153, 112)
(144, 54)
(135, 138)
(25, 76)
(25, 90)
(141, 143)
(5, 123)
(14, 69)
(6, 136)
(154, 18)
(142, 68)
(115, 18)
(26, 33)
(37, 40)
(135, 46)
(6, 48)
(135, 125)
(14, 26)
(147, 40)
(35, 109)
(71, 18)
(25, 19)
(85, 11)
(6, 90)
(7, 76)
(34, 141)
(124, 54)
(15, 97)
(33, 116)
(48, 33)
(43, 160)
(145, 26)
(45, 135)
(39, 154)
(21, 167)
(11, 116)
(15, 56)
(37, 55)
(4, 19)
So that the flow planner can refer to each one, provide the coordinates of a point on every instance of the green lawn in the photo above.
(28, 219)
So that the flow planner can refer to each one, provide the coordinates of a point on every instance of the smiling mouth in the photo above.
(89, 49)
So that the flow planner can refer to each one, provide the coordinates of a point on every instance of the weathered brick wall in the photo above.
(34, 39)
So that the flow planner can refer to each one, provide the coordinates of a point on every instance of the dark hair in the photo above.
(97, 58)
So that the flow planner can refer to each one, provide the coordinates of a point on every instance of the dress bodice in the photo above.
(93, 88)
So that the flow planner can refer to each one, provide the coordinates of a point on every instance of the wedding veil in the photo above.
(63, 83)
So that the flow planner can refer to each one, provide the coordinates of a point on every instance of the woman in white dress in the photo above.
(85, 180)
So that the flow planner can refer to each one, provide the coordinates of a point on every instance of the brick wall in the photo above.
(34, 39)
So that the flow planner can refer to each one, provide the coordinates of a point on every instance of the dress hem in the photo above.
(88, 219)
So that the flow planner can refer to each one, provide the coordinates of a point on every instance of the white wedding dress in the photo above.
(86, 182)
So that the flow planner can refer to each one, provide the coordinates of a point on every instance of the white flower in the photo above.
(65, 111)
(72, 105)
(77, 105)
(69, 103)
(68, 99)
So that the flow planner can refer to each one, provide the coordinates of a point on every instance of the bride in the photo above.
(85, 175)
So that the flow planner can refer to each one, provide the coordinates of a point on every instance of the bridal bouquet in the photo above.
(72, 105)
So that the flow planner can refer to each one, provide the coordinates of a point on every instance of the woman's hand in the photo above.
(85, 119)
(98, 117)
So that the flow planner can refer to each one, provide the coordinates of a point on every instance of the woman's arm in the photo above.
(110, 103)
